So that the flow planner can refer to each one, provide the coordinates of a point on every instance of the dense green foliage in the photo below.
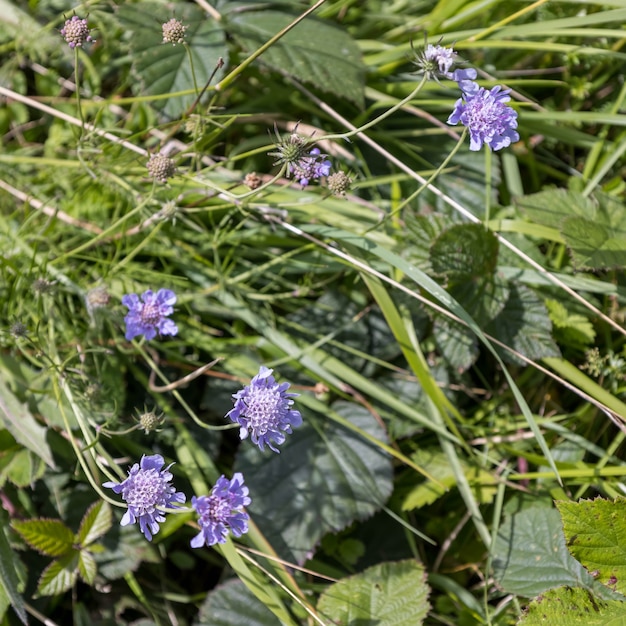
(453, 320)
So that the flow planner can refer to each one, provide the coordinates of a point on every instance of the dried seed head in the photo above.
(161, 167)
(42, 286)
(339, 183)
(18, 330)
(252, 180)
(174, 32)
(149, 421)
(76, 32)
(97, 297)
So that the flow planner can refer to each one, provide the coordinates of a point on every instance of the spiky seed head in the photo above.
(161, 167)
(149, 421)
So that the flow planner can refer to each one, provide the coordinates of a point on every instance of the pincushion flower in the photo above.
(145, 490)
(76, 32)
(437, 61)
(489, 120)
(263, 408)
(148, 316)
(221, 512)
(310, 167)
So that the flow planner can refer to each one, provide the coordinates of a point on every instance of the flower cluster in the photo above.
(221, 512)
(147, 492)
(437, 61)
(148, 316)
(486, 115)
(76, 32)
(263, 408)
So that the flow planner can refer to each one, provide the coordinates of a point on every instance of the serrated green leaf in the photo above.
(233, 604)
(596, 536)
(59, 576)
(164, 68)
(87, 567)
(530, 555)
(50, 536)
(389, 594)
(96, 521)
(315, 51)
(9, 575)
(573, 607)
(576, 330)
(524, 324)
(18, 420)
(325, 478)
(552, 206)
(465, 250)
(593, 245)
(22, 467)
(456, 343)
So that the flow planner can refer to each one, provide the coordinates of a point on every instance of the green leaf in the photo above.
(596, 536)
(524, 324)
(314, 51)
(552, 206)
(50, 536)
(573, 607)
(233, 604)
(465, 250)
(9, 574)
(575, 330)
(96, 521)
(163, 68)
(59, 576)
(325, 478)
(594, 245)
(18, 420)
(456, 343)
(530, 555)
(87, 567)
(389, 594)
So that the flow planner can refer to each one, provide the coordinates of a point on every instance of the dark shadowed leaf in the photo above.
(232, 604)
(314, 51)
(9, 578)
(324, 478)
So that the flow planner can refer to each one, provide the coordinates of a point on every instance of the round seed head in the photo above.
(339, 183)
(174, 32)
(161, 167)
(76, 32)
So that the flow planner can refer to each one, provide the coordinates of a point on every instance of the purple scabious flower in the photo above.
(264, 408)
(489, 120)
(146, 488)
(148, 316)
(76, 32)
(437, 61)
(221, 512)
(310, 167)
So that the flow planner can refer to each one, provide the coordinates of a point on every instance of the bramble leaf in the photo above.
(387, 594)
(50, 536)
(96, 521)
(59, 576)
(596, 536)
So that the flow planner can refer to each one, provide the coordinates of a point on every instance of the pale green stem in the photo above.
(193, 69)
(380, 118)
(488, 162)
(78, 104)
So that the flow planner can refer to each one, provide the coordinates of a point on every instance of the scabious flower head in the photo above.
(148, 316)
(161, 167)
(290, 149)
(310, 167)
(221, 512)
(150, 421)
(76, 32)
(437, 61)
(147, 488)
(264, 408)
(489, 120)
(174, 32)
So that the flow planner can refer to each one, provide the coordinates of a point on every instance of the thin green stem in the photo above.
(488, 164)
(78, 103)
(193, 70)
(380, 118)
